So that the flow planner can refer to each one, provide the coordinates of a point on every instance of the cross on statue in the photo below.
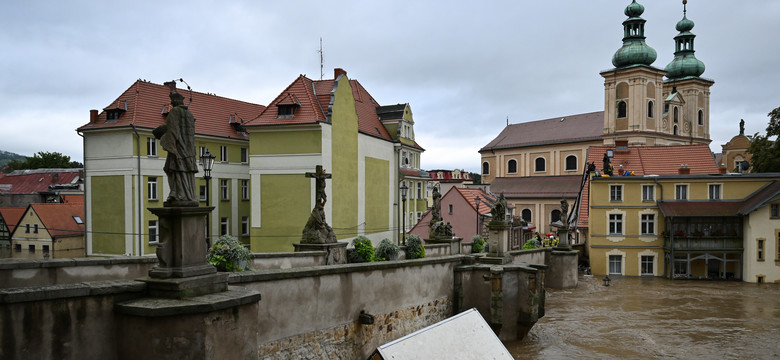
(320, 175)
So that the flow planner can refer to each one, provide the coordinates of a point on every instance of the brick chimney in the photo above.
(722, 170)
(339, 71)
(93, 116)
(684, 169)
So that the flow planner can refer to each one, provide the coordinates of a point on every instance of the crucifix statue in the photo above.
(317, 230)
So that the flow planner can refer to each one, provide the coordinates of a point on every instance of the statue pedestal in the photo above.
(336, 252)
(455, 247)
(563, 240)
(183, 270)
(499, 245)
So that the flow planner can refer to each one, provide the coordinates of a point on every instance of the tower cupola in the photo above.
(685, 64)
(634, 51)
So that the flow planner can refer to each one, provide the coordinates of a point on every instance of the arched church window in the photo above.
(485, 168)
(650, 109)
(571, 162)
(512, 166)
(675, 130)
(622, 109)
(555, 215)
(540, 165)
(526, 215)
(701, 117)
(676, 114)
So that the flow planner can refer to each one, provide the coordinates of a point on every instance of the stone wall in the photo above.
(287, 260)
(25, 273)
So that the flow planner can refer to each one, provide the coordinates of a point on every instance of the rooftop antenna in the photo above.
(507, 120)
(322, 72)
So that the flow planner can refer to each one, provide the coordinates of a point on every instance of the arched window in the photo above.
(701, 117)
(485, 168)
(676, 114)
(540, 165)
(622, 109)
(650, 109)
(526, 214)
(571, 162)
(511, 167)
(555, 215)
(675, 130)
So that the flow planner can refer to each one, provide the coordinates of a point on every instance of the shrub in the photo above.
(414, 247)
(364, 251)
(531, 244)
(477, 244)
(386, 250)
(228, 254)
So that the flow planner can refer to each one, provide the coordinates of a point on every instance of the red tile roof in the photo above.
(58, 219)
(73, 199)
(145, 102)
(649, 160)
(446, 176)
(12, 215)
(471, 194)
(38, 180)
(314, 99)
(567, 186)
(558, 130)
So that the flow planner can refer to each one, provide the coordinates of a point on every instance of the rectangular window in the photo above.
(615, 265)
(203, 193)
(419, 190)
(26, 228)
(615, 193)
(151, 146)
(774, 212)
(245, 225)
(244, 155)
(223, 153)
(223, 226)
(45, 249)
(647, 265)
(18, 247)
(419, 216)
(152, 231)
(450, 208)
(681, 192)
(648, 193)
(760, 250)
(151, 188)
(714, 191)
(35, 228)
(224, 190)
(680, 268)
(615, 224)
(244, 189)
(31, 248)
(202, 151)
(648, 224)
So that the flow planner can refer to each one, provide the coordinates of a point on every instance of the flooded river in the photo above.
(641, 318)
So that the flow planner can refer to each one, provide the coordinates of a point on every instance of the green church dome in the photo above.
(634, 9)
(634, 50)
(685, 64)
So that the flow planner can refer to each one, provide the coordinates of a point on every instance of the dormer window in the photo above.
(286, 111)
(113, 114)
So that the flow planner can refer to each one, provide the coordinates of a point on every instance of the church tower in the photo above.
(633, 89)
(686, 94)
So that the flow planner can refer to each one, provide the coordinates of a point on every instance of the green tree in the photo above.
(44, 160)
(765, 153)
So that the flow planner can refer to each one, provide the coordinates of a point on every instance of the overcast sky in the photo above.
(463, 66)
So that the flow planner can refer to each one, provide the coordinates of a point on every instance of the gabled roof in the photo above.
(37, 180)
(58, 219)
(145, 103)
(558, 130)
(760, 197)
(536, 187)
(12, 215)
(470, 195)
(314, 97)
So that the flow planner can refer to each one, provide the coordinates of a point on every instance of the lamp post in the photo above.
(476, 200)
(606, 280)
(404, 189)
(207, 161)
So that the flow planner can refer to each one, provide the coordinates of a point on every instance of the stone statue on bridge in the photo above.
(317, 230)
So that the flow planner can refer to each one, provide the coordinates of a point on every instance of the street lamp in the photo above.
(606, 280)
(476, 200)
(404, 189)
(207, 161)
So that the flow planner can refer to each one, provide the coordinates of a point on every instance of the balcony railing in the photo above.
(714, 243)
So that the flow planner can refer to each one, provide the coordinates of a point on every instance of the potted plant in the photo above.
(386, 250)
(228, 254)
(414, 247)
(363, 252)
(477, 244)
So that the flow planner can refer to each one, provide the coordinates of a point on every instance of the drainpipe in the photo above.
(138, 190)
(671, 236)
(397, 161)
(87, 249)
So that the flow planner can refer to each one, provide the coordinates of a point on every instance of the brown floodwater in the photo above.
(647, 318)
